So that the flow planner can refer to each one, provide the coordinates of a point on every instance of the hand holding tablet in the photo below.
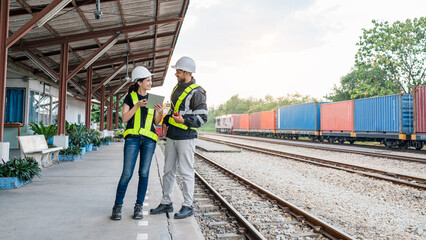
(154, 99)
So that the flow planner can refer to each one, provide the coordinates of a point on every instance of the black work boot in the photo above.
(162, 208)
(137, 214)
(116, 212)
(184, 212)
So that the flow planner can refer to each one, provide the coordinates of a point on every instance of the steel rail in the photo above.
(252, 232)
(370, 172)
(394, 157)
(317, 224)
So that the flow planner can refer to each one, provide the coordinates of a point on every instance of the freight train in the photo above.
(394, 120)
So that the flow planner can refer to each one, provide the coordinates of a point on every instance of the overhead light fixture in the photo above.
(39, 65)
(52, 13)
(77, 87)
(113, 75)
(104, 50)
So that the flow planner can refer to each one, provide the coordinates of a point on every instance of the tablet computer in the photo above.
(154, 99)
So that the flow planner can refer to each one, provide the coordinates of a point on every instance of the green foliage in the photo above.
(364, 83)
(72, 150)
(77, 134)
(41, 129)
(106, 139)
(236, 105)
(119, 134)
(97, 141)
(398, 50)
(22, 168)
(390, 60)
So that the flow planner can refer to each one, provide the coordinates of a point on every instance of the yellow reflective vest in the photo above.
(177, 105)
(137, 130)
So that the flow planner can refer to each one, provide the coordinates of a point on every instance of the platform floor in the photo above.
(73, 200)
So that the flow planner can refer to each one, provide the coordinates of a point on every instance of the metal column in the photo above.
(88, 96)
(109, 115)
(4, 29)
(62, 101)
(117, 108)
(102, 110)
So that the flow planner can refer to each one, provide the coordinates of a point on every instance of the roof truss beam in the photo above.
(93, 34)
(31, 24)
(39, 8)
(96, 53)
(94, 46)
(109, 76)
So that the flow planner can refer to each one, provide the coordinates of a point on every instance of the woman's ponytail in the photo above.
(134, 87)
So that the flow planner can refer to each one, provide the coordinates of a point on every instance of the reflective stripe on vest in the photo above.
(179, 101)
(137, 130)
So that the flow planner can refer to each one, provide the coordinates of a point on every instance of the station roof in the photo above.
(145, 30)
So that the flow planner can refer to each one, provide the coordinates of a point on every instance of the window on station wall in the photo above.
(15, 105)
(43, 108)
(54, 109)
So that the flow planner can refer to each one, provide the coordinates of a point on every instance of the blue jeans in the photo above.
(132, 147)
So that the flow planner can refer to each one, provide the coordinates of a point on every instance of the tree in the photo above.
(398, 50)
(363, 83)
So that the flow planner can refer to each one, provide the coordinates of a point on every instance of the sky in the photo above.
(257, 47)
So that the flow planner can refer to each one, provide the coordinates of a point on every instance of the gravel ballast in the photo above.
(363, 207)
(403, 167)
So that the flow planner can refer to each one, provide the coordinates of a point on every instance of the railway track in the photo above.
(262, 214)
(335, 149)
(397, 178)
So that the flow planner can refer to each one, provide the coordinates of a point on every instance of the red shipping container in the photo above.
(255, 121)
(244, 121)
(337, 117)
(268, 120)
(236, 119)
(419, 109)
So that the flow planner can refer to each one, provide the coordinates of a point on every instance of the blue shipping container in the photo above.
(299, 117)
(385, 114)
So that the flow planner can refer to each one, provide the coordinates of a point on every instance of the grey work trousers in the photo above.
(179, 152)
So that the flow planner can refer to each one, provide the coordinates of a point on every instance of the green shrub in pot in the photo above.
(72, 150)
(22, 168)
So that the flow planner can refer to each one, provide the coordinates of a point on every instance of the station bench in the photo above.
(35, 146)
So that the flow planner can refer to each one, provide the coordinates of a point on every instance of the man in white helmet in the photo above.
(188, 112)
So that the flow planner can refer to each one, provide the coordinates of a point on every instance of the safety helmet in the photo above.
(186, 64)
(140, 72)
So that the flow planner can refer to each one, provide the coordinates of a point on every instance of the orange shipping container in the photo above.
(244, 121)
(337, 117)
(268, 120)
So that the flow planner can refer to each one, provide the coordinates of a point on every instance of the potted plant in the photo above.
(70, 154)
(106, 140)
(96, 143)
(77, 135)
(87, 141)
(17, 172)
(47, 131)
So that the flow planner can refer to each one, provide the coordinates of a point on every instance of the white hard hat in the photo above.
(186, 64)
(140, 72)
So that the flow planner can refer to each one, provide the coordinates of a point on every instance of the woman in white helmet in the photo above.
(140, 137)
